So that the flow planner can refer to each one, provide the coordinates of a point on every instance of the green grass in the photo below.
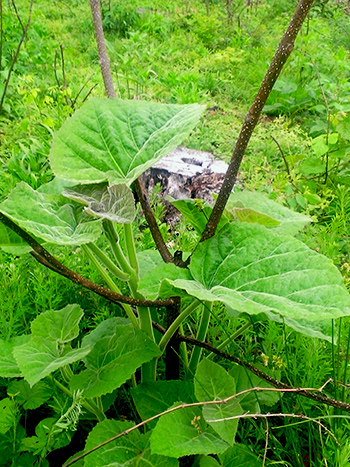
(180, 55)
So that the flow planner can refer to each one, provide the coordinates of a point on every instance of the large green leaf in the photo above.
(184, 432)
(128, 451)
(118, 350)
(212, 382)
(253, 270)
(238, 455)
(115, 203)
(197, 212)
(152, 285)
(48, 217)
(30, 398)
(148, 260)
(117, 140)
(153, 398)
(254, 207)
(46, 351)
(251, 401)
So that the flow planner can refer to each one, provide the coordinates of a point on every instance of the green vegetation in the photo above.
(268, 288)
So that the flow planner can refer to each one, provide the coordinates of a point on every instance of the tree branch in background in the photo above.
(103, 58)
(264, 376)
(284, 49)
(108, 82)
(15, 56)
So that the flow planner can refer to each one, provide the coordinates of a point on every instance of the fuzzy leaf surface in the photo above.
(212, 382)
(254, 207)
(115, 203)
(128, 451)
(253, 270)
(48, 217)
(117, 140)
(117, 351)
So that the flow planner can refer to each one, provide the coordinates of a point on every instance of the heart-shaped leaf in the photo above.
(117, 140)
(254, 270)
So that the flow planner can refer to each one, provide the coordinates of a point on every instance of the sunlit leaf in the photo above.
(117, 140)
(117, 351)
(48, 217)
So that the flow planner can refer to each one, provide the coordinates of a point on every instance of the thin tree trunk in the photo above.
(284, 49)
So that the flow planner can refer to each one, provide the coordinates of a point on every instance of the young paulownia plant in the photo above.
(247, 259)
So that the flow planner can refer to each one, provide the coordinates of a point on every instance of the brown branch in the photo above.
(204, 403)
(101, 46)
(141, 192)
(49, 261)
(264, 376)
(152, 223)
(283, 156)
(284, 49)
(15, 56)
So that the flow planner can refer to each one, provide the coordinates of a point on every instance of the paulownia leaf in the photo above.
(253, 217)
(46, 352)
(148, 260)
(253, 270)
(212, 382)
(151, 284)
(237, 455)
(117, 140)
(197, 212)
(127, 451)
(8, 364)
(115, 203)
(153, 398)
(118, 350)
(47, 217)
(254, 207)
(184, 432)
(208, 461)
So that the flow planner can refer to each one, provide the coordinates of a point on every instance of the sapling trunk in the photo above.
(284, 49)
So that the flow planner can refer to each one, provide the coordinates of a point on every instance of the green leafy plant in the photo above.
(247, 259)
